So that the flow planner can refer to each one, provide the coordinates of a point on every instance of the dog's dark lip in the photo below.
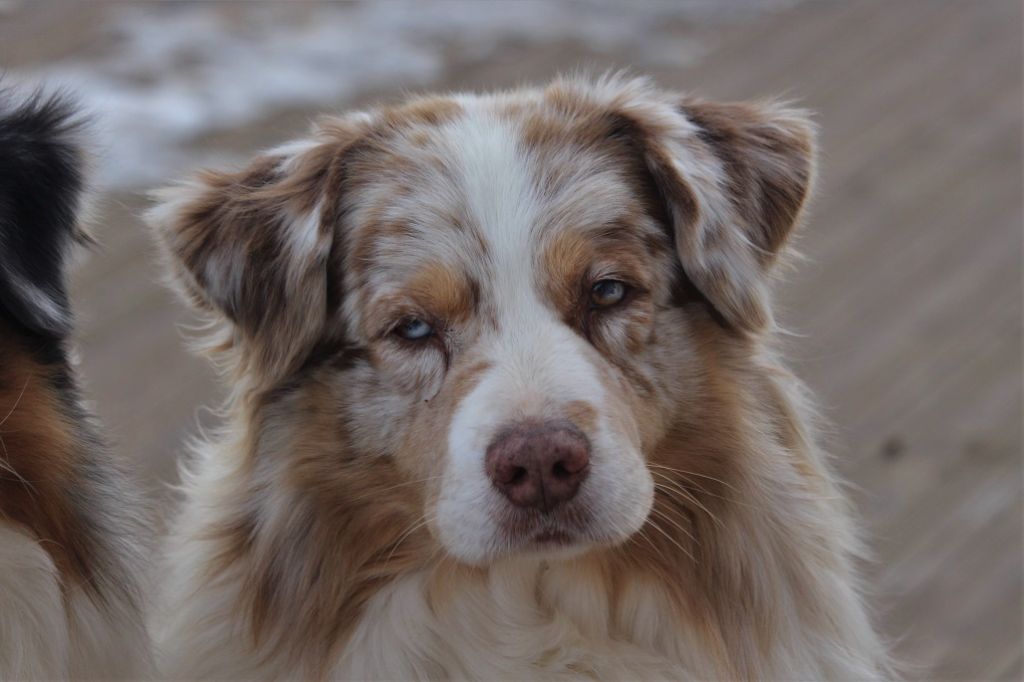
(561, 525)
(563, 528)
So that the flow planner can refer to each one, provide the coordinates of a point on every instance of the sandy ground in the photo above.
(906, 314)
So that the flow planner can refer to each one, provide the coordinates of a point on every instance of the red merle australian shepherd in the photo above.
(505, 402)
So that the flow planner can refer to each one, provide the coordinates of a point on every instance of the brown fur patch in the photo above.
(352, 526)
(697, 486)
(770, 163)
(431, 111)
(429, 427)
(449, 294)
(582, 414)
(38, 460)
(357, 522)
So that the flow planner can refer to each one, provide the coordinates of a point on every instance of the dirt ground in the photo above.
(906, 315)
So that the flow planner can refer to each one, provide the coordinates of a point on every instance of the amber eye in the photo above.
(414, 329)
(607, 293)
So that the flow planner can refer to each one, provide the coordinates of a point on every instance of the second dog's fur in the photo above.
(71, 533)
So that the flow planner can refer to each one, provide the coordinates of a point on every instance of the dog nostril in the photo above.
(560, 471)
(517, 475)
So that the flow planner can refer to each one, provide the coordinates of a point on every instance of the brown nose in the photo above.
(539, 465)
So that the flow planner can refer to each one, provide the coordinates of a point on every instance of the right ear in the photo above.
(253, 245)
(734, 179)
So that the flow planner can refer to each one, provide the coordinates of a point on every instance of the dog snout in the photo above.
(539, 465)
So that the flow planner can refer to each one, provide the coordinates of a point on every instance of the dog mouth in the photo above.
(562, 528)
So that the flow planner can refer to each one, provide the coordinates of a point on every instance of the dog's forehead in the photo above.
(483, 184)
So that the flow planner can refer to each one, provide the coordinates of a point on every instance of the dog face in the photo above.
(510, 296)
(490, 298)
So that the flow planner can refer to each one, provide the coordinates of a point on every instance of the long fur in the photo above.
(340, 525)
(72, 555)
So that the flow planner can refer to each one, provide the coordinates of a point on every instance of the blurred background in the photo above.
(906, 316)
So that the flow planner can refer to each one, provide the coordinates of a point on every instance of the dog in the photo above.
(505, 401)
(71, 529)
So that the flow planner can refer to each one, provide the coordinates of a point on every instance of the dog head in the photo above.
(491, 298)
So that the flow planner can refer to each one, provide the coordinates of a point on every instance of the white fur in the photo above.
(33, 623)
(304, 236)
(513, 625)
(195, 636)
(42, 304)
(107, 640)
(50, 631)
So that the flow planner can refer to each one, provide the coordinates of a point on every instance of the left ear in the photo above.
(252, 246)
(734, 177)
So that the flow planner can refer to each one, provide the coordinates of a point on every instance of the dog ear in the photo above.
(253, 246)
(744, 218)
(734, 178)
(40, 191)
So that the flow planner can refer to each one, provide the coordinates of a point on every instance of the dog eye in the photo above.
(607, 293)
(414, 329)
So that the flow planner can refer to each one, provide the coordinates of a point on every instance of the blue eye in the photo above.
(607, 293)
(414, 329)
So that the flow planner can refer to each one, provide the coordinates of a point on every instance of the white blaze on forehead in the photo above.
(540, 358)
(501, 200)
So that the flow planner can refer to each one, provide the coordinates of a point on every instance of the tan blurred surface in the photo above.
(908, 310)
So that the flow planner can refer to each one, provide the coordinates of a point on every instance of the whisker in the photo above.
(5, 465)
(677, 485)
(423, 520)
(671, 539)
(689, 496)
(662, 514)
(694, 473)
(657, 550)
(732, 500)
(617, 529)
(437, 557)
(16, 403)
(402, 485)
